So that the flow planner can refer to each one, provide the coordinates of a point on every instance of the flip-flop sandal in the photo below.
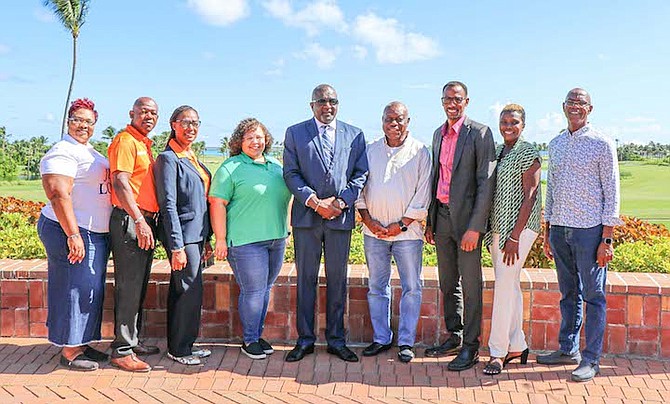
(494, 367)
(81, 362)
(185, 360)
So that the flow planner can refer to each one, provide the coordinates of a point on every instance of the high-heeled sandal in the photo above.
(494, 367)
(523, 357)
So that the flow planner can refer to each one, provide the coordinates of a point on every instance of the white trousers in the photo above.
(507, 318)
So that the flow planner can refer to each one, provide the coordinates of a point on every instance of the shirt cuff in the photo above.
(308, 199)
(612, 221)
(416, 214)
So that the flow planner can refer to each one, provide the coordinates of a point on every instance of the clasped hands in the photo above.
(381, 231)
(326, 208)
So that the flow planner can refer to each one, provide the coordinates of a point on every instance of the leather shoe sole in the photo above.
(343, 353)
(443, 350)
(299, 352)
(130, 363)
(375, 349)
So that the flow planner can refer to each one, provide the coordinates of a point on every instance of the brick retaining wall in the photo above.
(638, 313)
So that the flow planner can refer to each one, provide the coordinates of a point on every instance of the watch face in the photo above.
(342, 204)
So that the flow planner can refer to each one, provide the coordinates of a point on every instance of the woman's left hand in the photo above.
(75, 246)
(510, 252)
(178, 261)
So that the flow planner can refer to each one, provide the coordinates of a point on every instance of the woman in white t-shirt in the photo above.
(74, 228)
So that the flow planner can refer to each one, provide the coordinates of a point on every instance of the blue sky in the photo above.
(236, 58)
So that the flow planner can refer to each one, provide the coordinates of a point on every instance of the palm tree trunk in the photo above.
(69, 90)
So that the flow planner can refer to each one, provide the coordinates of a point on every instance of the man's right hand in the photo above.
(145, 236)
(326, 209)
(428, 234)
(376, 227)
(547, 249)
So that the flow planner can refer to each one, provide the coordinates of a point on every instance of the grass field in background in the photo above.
(643, 193)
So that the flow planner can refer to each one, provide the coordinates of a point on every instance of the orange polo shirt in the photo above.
(130, 152)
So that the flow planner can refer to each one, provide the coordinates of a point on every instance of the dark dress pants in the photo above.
(309, 243)
(132, 267)
(460, 275)
(185, 302)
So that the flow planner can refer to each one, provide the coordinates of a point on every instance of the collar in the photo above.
(319, 124)
(178, 150)
(248, 160)
(407, 140)
(580, 131)
(456, 126)
(70, 139)
(138, 136)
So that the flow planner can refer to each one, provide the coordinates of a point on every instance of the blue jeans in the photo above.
(407, 256)
(256, 267)
(580, 280)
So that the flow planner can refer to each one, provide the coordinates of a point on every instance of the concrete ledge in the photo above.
(638, 314)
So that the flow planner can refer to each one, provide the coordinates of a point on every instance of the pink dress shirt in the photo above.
(447, 152)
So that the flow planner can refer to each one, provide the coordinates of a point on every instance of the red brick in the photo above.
(35, 293)
(428, 327)
(155, 331)
(21, 323)
(209, 296)
(643, 348)
(151, 298)
(38, 315)
(222, 296)
(14, 301)
(642, 334)
(276, 319)
(276, 333)
(429, 309)
(616, 301)
(216, 332)
(39, 330)
(544, 313)
(652, 311)
(279, 299)
(210, 317)
(358, 293)
(616, 338)
(552, 335)
(546, 298)
(665, 343)
(537, 335)
(109, 296)
(7, 323)
(634, 315)
(107, 329)
(616, 316)
(155, 317)
(14, 287)
(358, 308)
(665, 320)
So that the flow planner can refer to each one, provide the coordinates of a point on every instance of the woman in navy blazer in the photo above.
(182, 184)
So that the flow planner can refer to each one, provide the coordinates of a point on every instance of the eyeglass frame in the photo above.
(78, 121)
(323, 101)
(196, 124)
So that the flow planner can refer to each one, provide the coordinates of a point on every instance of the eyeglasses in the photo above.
(185, 123)
(324, 101)
(571, 103)
(449, 100)
(79, 121)
(399, 119)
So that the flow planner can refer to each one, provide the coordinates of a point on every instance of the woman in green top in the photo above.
(248, 209)
(514, 226)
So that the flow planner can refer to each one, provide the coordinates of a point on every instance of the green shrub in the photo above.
(18, 237)
(641, 256)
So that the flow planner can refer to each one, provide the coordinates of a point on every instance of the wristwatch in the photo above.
(341, 203)
(402, 225)
(607, 240)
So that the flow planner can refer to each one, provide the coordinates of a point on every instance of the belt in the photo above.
(148, 214)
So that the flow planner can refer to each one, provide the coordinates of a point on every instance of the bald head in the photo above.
(395, 122)
(578, 93)
(396, 106)
(577, 107)
(144, 115)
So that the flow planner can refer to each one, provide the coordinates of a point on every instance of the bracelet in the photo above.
(513, 240)
(139, 219)
(74, 235)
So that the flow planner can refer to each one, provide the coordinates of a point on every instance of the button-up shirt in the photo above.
(583, 180)
(398, 186)
(447, 152)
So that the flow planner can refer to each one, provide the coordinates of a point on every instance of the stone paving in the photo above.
(29, 373)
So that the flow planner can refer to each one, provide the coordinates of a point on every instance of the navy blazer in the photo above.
(472, 179)
(306, 173)
(182, 198)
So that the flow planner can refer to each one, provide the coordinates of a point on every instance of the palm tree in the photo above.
(72, 14)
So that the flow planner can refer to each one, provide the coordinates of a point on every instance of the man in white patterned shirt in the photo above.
(582, 208)
(393, 202)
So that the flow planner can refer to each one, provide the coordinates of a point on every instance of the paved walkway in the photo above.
(29, 372)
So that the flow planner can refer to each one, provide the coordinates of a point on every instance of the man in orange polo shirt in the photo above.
(132, 230)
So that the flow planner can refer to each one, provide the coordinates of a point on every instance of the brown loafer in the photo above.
(143, 350)
(131, 363)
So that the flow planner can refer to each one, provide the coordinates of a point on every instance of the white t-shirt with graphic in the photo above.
(90, 195)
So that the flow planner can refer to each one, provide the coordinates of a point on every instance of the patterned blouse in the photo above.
(508, 195)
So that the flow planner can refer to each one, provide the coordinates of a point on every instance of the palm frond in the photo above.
(71, 13)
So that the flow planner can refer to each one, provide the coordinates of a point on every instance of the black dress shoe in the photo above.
(449, 347)
(144, 350)
(299, 352)
(343, 353)
(376, 348)
(464, 360)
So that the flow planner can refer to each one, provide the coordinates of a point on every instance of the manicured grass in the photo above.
(643, 193)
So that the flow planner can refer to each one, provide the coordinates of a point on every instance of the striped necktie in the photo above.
(327, 145)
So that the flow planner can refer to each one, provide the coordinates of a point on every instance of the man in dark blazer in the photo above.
(325, 168)
(462, 193)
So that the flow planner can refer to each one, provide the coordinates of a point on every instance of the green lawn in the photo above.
(642, 191)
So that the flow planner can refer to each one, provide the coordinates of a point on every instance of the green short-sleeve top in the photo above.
(508, 195)
(257, 199)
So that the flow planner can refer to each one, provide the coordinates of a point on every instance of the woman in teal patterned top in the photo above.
(514, 226)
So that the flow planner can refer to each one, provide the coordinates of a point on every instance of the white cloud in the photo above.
(639, 119)
(313, 18)
(277, 68)
(49, 117)
(207, 55)
(360, 52)
(43, 15)
(420, 86)
(220, 12)
(324, 58)
(4, 49)
(550, 125)
(392, 42)
(602, 56)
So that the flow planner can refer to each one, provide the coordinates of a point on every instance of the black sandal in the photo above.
(81, 362)
(523, 357)
(494, 367)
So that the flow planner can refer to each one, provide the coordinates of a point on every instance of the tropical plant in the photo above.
(72, 14)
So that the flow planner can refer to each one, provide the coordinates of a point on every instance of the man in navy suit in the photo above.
(325, 168)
